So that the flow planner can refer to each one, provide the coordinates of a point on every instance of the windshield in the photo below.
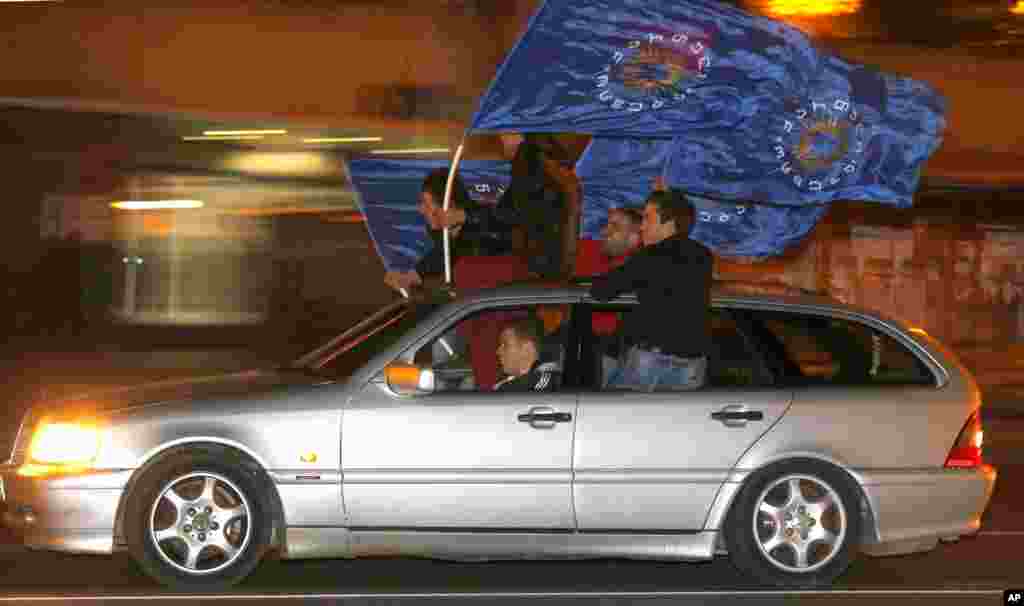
(353, 348)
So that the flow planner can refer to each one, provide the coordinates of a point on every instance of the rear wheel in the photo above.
(197, 523)
(795, 525)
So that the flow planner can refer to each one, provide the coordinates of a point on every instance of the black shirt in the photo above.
(485, 232)
(542, 377)
(533, 205)
(672, 280)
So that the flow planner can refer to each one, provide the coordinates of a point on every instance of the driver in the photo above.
(519, 356)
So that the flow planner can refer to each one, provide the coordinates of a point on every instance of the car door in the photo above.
(461, 457)
(655, 461)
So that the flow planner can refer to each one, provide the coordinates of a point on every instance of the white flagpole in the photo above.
(447, 199)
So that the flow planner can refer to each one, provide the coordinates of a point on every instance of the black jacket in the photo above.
(672, 280)
(532, 206)
(542, 377)
(487, 231)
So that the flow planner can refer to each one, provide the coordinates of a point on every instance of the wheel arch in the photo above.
(724, 501)
(242, 456)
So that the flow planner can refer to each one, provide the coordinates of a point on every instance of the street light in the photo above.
(808, 8)
(156, 204)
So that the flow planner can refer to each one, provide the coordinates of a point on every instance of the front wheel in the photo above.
(795, 525)
(198, 523)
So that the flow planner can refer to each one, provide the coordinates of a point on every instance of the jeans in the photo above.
(644, 370)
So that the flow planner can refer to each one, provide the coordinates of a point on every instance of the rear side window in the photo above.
(818, 350)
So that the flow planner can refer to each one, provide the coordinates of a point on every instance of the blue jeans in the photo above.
(643, 370)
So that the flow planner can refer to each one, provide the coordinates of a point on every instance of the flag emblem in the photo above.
(653, 71)
(819, 143)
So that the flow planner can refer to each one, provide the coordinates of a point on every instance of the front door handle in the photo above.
(737, 415)
(543, 417)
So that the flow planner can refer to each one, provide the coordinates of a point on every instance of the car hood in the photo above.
(244, 383)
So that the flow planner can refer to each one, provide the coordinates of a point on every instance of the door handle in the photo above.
(557, 417)
(738, 415)
(544, 417)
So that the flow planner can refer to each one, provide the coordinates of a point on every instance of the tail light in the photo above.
(966, 452)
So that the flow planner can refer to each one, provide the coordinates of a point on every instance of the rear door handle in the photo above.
(737, 415)
(747, 415)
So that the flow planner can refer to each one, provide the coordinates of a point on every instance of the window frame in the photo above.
(933, 367)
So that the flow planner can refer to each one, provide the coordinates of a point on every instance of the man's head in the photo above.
(432, 196)
(666, 214)
(622, 234)
(519, 346)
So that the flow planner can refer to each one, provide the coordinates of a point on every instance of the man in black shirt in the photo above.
(671, 276)
(519, 352)
(474, 229)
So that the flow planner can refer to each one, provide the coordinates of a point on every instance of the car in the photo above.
(824, 431)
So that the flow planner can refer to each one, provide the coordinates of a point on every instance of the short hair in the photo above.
(633, 215)
(437, 181)
(527, 329)
(673, 205)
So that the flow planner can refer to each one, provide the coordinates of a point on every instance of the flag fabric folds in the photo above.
(760, 128)
(644, 68)
(617, 173)
(756, 112)
(857, 134)
(388, 196)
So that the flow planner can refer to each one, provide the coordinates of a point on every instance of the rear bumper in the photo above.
(73, 514)
(914, 510)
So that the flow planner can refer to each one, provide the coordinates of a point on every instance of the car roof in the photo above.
(763, 292)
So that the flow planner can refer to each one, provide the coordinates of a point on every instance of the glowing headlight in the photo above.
(64, 444)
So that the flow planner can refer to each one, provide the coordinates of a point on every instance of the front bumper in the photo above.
(74, 514)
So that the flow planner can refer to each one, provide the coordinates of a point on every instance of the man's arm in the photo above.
(625, 278)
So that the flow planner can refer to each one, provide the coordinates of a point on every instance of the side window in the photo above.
(824, 351)
(732, 360)
(465, 355)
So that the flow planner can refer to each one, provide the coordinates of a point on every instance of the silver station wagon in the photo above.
(824, 431)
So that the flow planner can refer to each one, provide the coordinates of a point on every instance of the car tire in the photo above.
(198, 522)
(795, 525)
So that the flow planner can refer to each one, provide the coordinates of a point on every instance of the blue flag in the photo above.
(856, 135)
(617, 173)
(644, 68)
(388, 195)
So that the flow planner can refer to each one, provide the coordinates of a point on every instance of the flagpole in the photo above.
(447, 199)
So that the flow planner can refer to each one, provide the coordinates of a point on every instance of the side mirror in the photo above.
(409, 379)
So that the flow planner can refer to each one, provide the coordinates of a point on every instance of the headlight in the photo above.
(61, 447)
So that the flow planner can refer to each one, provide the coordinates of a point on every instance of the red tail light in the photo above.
(966, 452)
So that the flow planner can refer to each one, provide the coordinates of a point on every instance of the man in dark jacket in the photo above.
(529, 219)
(519, 354)
(671, 276)
(473, 229)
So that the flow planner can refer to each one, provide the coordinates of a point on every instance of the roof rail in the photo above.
(745, 287)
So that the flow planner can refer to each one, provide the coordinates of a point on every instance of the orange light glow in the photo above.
(810, 8)
(1018, 9)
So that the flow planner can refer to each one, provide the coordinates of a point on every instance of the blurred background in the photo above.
(174, 176)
